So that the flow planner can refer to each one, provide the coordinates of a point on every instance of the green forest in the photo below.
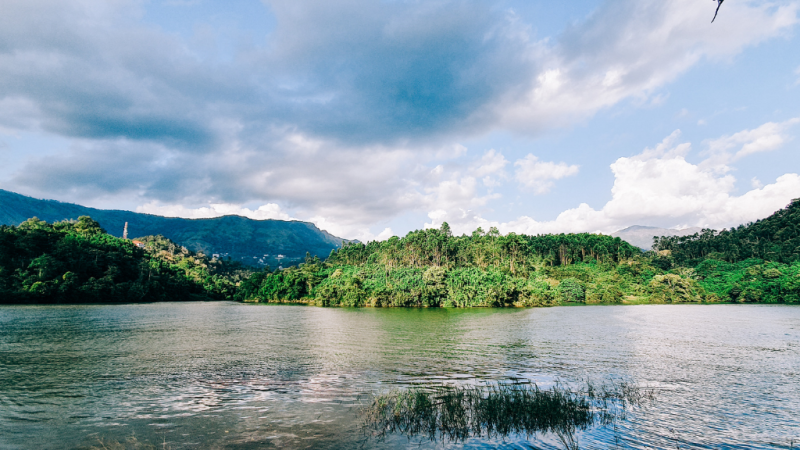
(76, 261)
(758, 262)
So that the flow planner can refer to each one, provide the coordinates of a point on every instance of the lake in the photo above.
(246, 376)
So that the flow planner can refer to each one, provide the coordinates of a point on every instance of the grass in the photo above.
(499, 410)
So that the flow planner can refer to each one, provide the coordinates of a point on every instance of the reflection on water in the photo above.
(227, 375)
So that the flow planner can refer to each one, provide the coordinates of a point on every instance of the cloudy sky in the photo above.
(374, 118)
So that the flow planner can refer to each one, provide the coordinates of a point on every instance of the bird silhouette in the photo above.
(719, 3)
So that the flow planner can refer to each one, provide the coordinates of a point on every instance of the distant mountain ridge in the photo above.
(642, 236)
(253, 242)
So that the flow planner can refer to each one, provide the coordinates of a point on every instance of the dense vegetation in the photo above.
(433, 268)
(252, 242)
(77, 261)
(73, 261)
(776, 239)
(758, 262)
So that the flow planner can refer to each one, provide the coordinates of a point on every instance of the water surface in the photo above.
(241, 376)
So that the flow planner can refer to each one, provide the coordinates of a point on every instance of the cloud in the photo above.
(539, 175)
(667, 148)
(767, 137)
(491, 163)
(84, 69)
(630, 49)
(490, 168)
(342, 124)
(712, 206)
(657, 187)
(399, 71)
(91, 169)
(263, 212)
(361, 233)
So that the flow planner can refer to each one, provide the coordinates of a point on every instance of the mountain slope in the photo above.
(775, 238)
(253, 242)
(76, 262)
(642, 236)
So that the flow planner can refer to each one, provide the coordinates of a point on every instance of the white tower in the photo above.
(125, 231)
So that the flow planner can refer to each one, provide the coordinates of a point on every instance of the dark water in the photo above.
(235, 376)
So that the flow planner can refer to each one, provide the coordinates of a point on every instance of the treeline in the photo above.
(776, 239)
(78, 262)
(514, 253)
(757, 262)
(434, 268)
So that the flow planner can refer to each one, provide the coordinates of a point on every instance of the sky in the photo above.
(375, 118)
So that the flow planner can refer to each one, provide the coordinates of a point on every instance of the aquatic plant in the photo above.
(457, 413)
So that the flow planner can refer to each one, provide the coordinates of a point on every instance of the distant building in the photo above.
(139, 244)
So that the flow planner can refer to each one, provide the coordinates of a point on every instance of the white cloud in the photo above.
(629, 49)
(667, 148)
(656, 187)
(540, 175)
(343, 137)
(490, 168)
(350, 231)
(491, 163)
(263, 212)
(659, 187)
(767, 137)
(457, 193)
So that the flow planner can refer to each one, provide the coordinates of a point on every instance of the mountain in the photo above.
(642, 236)
(253, 242)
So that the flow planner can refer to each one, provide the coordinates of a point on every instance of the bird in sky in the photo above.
(719, 3)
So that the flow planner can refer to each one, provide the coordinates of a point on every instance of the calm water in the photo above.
(235, 376)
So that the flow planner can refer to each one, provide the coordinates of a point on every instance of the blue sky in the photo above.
(374, 118)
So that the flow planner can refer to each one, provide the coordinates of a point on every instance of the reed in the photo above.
(457, 413)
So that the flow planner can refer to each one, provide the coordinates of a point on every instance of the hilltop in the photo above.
(253, 242)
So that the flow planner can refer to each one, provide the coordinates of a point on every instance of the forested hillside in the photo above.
(753, 263)
(252, 242)
(77, 262)
(433, 268)
(776, 238)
